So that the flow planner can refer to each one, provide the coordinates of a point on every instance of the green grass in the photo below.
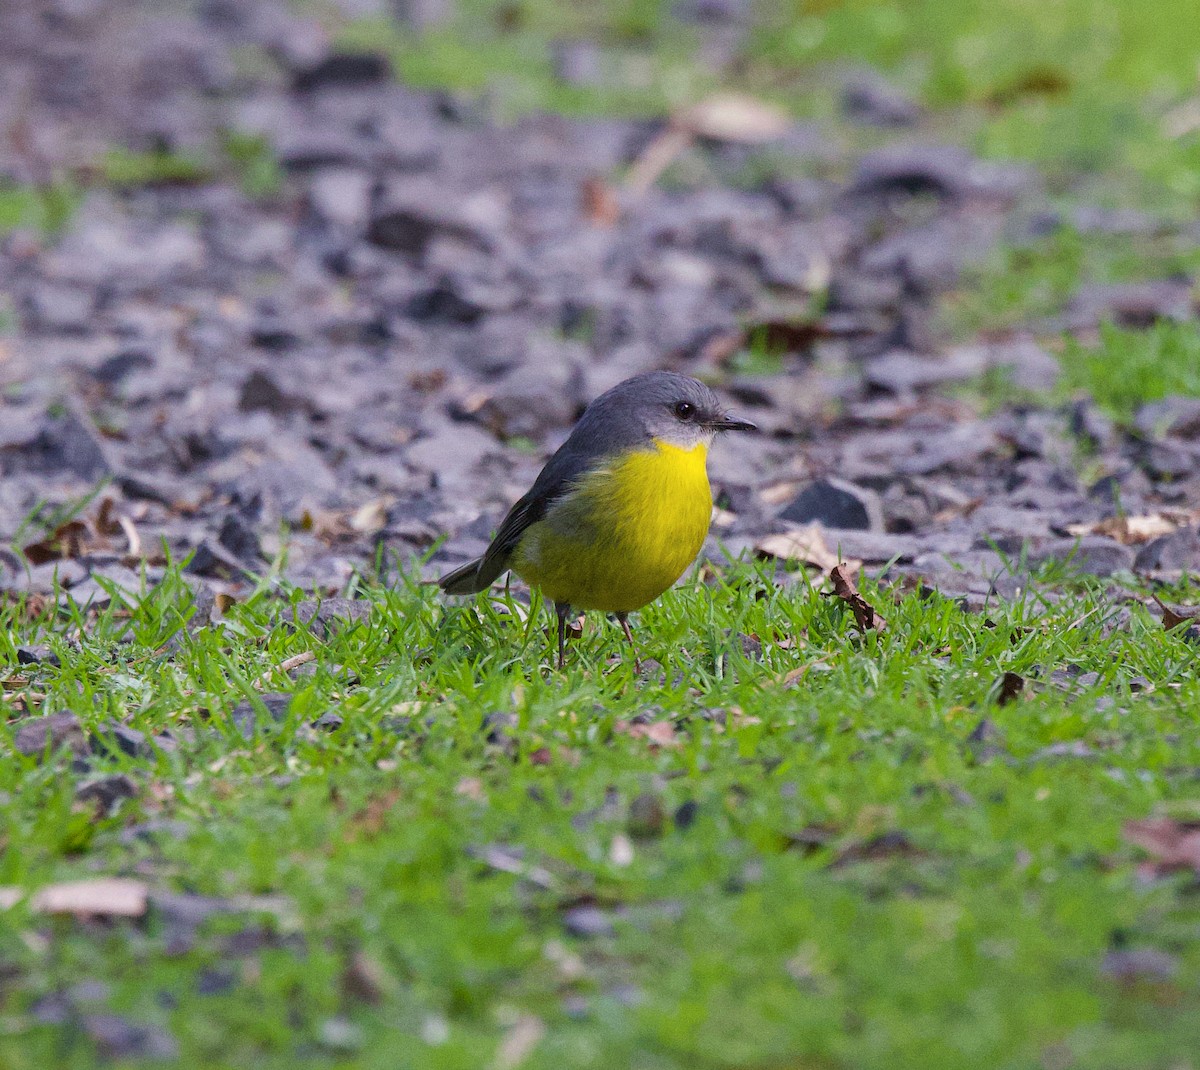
(747, 937)
(1021, 284)
(124, 167)
(1128, 367)
(484, 51)
(40, 208)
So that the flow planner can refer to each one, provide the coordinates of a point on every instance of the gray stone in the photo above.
(836, 504)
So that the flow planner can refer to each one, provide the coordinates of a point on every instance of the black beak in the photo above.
(728, 423)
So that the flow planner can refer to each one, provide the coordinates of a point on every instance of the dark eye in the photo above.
(685, 410)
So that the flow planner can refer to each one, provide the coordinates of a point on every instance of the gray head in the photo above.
(663, 406)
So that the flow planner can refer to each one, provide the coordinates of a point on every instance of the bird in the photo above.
(620, 510)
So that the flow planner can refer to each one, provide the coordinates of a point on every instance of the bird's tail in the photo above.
(471, 578)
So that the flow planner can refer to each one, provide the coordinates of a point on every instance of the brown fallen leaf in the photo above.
(369, 821)
(70, 540)
(656, 733)
(1173, 616)
(1131, 530)
(115, 897)
(601, 206)
(864, 613)
(794, 676)
(806, 544)
(1173, 845)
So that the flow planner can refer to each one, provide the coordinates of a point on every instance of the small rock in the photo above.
(322, 617)
(341, 1034)
(239, 539)
(60, 308)
(868, 97)
(64, 443)
(588, 922)
(1178, 417)
(685, 815)
(127, 740)
(118, 1038)
(944, 171)
(1178, 551)
(410, 222)
(107, 792)
(578, 63)
(247, 717)
(34, 735)
(37, 655)
(1129, 965)
(647, 816)
(341, 195)
(422, 15)
(261, 393)
(344, 70)
(1134, 304)
(836, 504)
(121, 365)
(1093, 554)
(986, 741)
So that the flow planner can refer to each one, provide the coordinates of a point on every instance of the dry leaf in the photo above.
(864, 613)
(601, 207)
(370, 517)
(68, 541)
(1173, 845)
(518, 1043)
(369, 821)
(806, 544)
(656, 733)
(471, 787)
(734, 117)
(117, 897)
(794, 676)
(1129, 529)
(1173, 616)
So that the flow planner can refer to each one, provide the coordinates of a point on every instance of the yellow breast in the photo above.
(625, 535)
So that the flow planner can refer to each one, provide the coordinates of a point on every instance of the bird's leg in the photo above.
(623, 620)
(563, 611)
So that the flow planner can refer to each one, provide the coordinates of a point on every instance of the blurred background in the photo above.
(349, 269)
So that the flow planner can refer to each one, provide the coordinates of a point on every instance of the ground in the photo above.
(298, 299)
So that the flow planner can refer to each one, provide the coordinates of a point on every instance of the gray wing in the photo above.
(607, 427)
(562, 471)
